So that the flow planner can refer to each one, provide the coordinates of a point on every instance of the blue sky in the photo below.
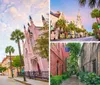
(70, 8)
(14, 14)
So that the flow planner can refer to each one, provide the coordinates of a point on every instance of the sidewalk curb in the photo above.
(41, 80)
(22, 82)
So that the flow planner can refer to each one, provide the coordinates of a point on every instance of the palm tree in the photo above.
(72, 26)
(78, 30)
(91, 3)
(16, 36)
(67, 29)
(61, 23)
(95, 14)
(10, 50)
(95, 28)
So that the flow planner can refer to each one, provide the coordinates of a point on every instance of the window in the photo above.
(57, 67)
(94, 65)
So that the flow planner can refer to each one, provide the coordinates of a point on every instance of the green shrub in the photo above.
(64, 77)
(50, 75)
(56, 80)
(89, 78)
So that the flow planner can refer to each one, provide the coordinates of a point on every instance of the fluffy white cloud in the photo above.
(43, 4)
(14, 14)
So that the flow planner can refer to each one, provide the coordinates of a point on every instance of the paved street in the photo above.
(32, 81)
(90, 38)
(72, 81)
(4, 80)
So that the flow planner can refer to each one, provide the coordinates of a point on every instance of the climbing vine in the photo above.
(72, 61)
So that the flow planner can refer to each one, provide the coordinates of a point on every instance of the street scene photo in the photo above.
(74, 20)
(24, 42)
(75, 63)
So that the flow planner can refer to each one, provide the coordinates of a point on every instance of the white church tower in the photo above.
(79, 22)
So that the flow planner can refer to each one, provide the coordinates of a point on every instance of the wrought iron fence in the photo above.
(36, 74)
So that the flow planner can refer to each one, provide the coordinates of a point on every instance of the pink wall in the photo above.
(56, 55)
(31, 59)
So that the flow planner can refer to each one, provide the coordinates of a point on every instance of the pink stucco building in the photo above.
(58, 56)
(32, 61)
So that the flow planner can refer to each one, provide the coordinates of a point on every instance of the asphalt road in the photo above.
(90, 38)
(4, 80)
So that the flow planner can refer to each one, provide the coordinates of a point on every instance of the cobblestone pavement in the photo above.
(72, 81)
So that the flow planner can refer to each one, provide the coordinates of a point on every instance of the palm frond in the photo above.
(98, 4)
(82, 2)
(92, 3)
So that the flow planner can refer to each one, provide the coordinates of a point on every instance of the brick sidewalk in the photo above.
(72, 81)
(31, 81)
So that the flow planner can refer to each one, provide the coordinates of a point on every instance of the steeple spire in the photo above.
(30, 18)
(78, 12)
(28, 24)
(78, 22)
(43, 18)
(24, 27)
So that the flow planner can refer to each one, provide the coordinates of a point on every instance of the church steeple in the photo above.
(30, 18)
(78, 22)
(24, 27)
(43, 20)
(78, 13)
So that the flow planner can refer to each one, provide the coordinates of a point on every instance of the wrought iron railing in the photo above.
(36, 74)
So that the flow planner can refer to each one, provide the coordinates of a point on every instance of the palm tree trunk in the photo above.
(21, 59)
(19, 49)
(11, 66)
(97, 20)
